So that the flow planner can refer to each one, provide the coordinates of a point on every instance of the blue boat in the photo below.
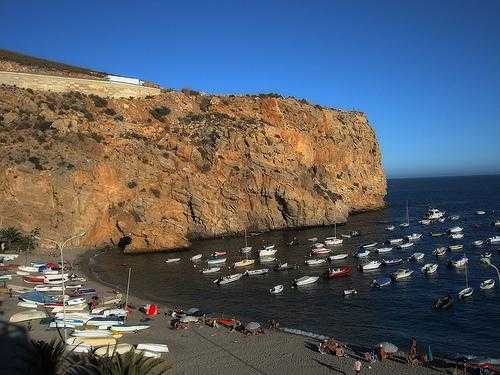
(37, 297)
(379, 282)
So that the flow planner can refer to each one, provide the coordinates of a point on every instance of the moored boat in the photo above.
(260, 271)
(196, 257)
(267, 252)
(216, 260)
(440, 251)
(437, 234)
(456, 247)
(487, 284)
(480, 212)
(429, 268)
(384, 250)
(348, 292)
(210, 270)
(373, 265)
(381, 282)
(244, 263)
(390, 227)
(457, 236)
(413, 237)
(464, 293)
(305, 280)
(362, 254)
(228, 279)
(395, 241)
(333, 241)
(321, 251)
(173, 260)
(478, 243)
(335, 257)
(315, 261)
(494, 239)
(392, 262)
(406, 245)
(369, 245)
(444, 302)
(416, 256)
(434, 214)
(460, 262)
(401, 274)
(456, 230)
(276, 289)
(333, 273)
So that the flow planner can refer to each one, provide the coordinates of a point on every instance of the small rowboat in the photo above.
(111, 350)
(429, 268)
(218, 254)
(395, 241)
(440, 251)
(381, 282)
(244, 263)
(315, 262)
(384, 250)
(464, 293)
(392, 262)
(34, 279)
(455, 247)
(91, 333)
(338, 256)
(267, 252)
(260, 271)
(413, 237)
(276, 289)
(406, 245)
(246, 249)
(8, 267)
(373, 265)
(478, 243)
(401, 274)
(27, 315)
(216, 260)
(437, 234)
(417, 256)
(269, 259)
(456, 230)
(173, 260)
(362, 254)
(156, 348)
(349, 292)
(443, 302)
(228, 279)
(196, 257)
(321, 251)
(333, 241)
(306, 280)
(487, 284)
(211, 270)
(369, 245)
(334, 273)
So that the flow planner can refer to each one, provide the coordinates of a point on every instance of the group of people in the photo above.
(332, 347)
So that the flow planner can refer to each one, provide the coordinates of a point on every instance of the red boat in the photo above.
(219, 253)
(34, 279)
(338, 272)
(5, 267)
(228, 322)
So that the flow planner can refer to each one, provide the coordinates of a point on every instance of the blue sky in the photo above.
(427, 73)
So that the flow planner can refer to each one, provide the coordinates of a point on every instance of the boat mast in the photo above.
(407, 214)
(335, 225)
(466, 276)
(246, 242)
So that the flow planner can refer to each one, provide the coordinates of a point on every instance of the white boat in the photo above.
(8, 257)
(401, 274)
(267, 259)
(338, 256)
(487, 284)
(29, 305)
(434, 214)
(480, 212)
(416, 256)
(455, 217)
(315, 261)
(413, 237)
(27, 315)
(478, 243)
(440, 251)
(457, 236)
(390, 227)
(460, 263)
(216, 260)
(269, 247)
(244, 263)
(456, 247)
(392, 262)
(318, 245)
(362, 254)
(196, 257)
(80, 307)
(313, 239)
(91, 333)
(348, 292)
(28, 268)
(384, 250)
(395, 241)
(228, 279)
(333, 241)
(369, 245)
(305, 280)
(456, 230)
(129, 328)
(494, 239)
(5, 277)
(381, 282)
(406, 245)
(22, 273)
(173, 260)
(276, 289)
(321, 251)
(75, 301)
(430, 268)
(485, 258)
(111, 350)
(373, 265)
(424, 222)
(404, 225)
(496, 223)
(464, 293)
(267, 252)
(156, 348)
(260, 271)
(211, 270)
(246, 249)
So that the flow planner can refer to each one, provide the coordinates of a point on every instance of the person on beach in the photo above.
(357, 367)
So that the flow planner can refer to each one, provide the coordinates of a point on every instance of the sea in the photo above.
(393, 313)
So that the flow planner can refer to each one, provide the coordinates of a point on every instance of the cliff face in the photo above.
(174, 167)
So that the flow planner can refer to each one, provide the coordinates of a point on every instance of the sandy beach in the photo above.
(201, 349)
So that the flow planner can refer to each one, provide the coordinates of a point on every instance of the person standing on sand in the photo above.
(357, 367)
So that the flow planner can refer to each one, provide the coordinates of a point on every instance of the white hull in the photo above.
(306, 280)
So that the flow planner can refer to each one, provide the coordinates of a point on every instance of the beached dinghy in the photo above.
(196, 257)
(443, 302)
(157, 348)
(384, 250)
(338, 256)
(321, 251)
(27, 315)
(173, 260)
(129, 328)
(91, 341)
(111, 350)
(260, 271)
(228, 279)
(5, 277)
(362, 254)
(487, 284)
(22, 273)
(478, 243)
(305, 280)
(315, 261)
(440, 251)
(373, 265)
(369, 245)
(34, 279)
(392, 262)
(395, 241)
(416, 256)
(401, 274)
(28, 305)
(105, 321)
(267, 252)
(91, 333)
(210, 270)
(455, 247)
(216, 260)
(80, 307)
(381, 282)
(349, 292)
(244, 263)
(406, 245)
(276, 289)
(28, 269)
(429, 268)
(334, 273)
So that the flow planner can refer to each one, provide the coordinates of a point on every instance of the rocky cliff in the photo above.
(179, 166)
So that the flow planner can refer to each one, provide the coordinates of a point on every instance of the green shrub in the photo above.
(17, 241)
(160, 112)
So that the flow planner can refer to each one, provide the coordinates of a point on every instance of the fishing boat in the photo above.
(210, 270)
(456, 247)
(392, 262)
(228, 279)
(424, 221)
(390, 227)
(413, 237)
(406, 245)
(494, 239)
(305, 280)
(334, 273)
(260, 271)
(401, 274)
(244, 263)
(216, 261)
(267, 252)
(362, 254)
(429, 268)
(487, 284)
(395, 241)
(381, 282)
(348, 292)
(27, 315)
(460, 262)
(478, 243)
(276, 289)
(384, 250)
(369, 245)
(440, 251)
(480, 212)
(196, 257)
(456, 230)
(434, 214)
(416, 256)
(315, 261)
(437, 234)
(338, 256)
(373, 265)
(321, 251)
(457, 236)
(444, 302)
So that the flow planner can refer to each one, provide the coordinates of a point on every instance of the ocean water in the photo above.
(393, 313)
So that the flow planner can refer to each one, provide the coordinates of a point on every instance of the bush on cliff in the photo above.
(160, 112)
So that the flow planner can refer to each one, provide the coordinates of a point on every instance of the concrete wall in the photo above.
(87, 86)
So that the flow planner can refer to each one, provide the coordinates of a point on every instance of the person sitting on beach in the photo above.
(357, 367)
(381, 353)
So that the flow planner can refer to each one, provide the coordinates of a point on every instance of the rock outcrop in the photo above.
(179, 166)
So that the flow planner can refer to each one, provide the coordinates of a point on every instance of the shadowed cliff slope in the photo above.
(178, 166)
